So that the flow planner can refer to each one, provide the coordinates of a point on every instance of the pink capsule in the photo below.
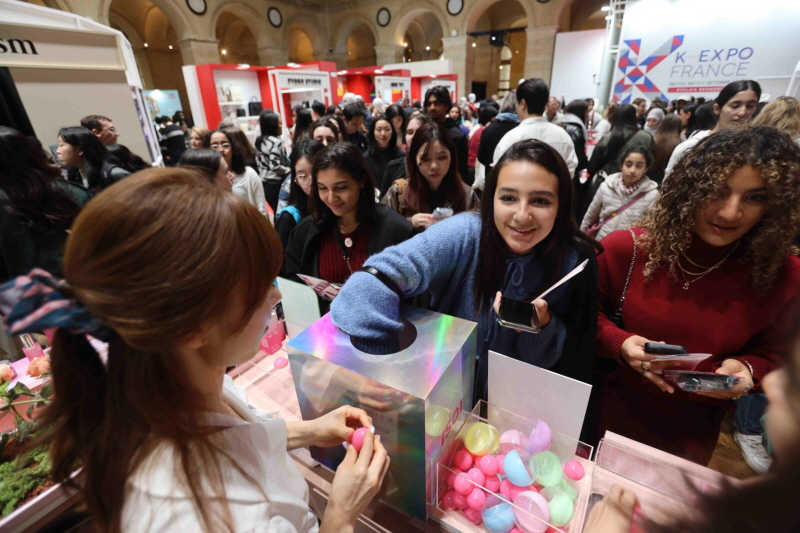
(474, 516)
(463, 460)
(476, 499)
(574, 470)
(487, 465)
(281, 362)
(460, 501)
(499, 459)
(476, 476)
(448, 502)
(492, 483)
(451, 477)
(358, 438)
(462, 485)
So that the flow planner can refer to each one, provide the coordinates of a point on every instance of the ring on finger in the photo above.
(645, 369)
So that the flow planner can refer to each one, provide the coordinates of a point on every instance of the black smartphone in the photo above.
(664, 349)
(518, 314)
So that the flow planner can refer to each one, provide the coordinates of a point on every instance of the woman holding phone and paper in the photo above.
(524, 240)
(711, 269)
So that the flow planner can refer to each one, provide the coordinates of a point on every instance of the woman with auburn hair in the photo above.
(710, 269)
(667, 137)
(433, 181)
(163, 439)
(782, 114)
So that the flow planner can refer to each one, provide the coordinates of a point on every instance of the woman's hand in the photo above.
(732, 367)
(538, 304)
(422, 220)
(328, 430)
(632, 352)
(614, 514)
(358, 479)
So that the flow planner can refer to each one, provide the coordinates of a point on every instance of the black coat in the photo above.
(490, 138)
(387, 228)
(575, 133)
(462, 148)
(395, 170)
(379, 162)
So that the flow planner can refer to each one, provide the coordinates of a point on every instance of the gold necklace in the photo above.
(700, 275)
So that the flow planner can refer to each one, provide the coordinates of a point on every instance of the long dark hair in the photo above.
(269, 120)
(395, 110)
(691, 122)
(301, 125)
(624, 122)
(373, 149)
(127, 159)
(306, 149)
(205, 160)
(565, 232)
(94, 153)
(30, 184)
(704, 116)
(734, 88)
(347, 158)
(238, 164)
(418, 190)
(326, 122)
(665, 140)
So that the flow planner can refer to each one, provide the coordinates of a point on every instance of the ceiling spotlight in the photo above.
(605, 8)
(474, 45)
(170, 47)
(145, 45)
(428, 48)
(378, 72)
(609, 17)
(405, 45)
(501, 67)
(224, 52)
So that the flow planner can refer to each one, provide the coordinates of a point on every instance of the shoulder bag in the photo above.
(617, 318)
(592, 230)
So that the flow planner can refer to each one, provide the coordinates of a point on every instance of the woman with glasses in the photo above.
(302, 161)
(246, 182)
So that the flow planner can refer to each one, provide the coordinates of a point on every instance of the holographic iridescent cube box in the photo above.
(417, 397)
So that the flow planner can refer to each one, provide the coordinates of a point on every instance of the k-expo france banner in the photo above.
(696, 47)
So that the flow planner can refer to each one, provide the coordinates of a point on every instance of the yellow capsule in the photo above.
(481, 438)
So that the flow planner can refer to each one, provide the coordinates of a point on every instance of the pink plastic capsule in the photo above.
(462, 485)
(448, 502)
(358, 438)
(476, 499)
(476, 476)
(574, 470)
(499, 459)
(451, 477)
(281, 362)
(463, 460)
(492, 483)
(473, 516)
(460, 501)
(487, 465)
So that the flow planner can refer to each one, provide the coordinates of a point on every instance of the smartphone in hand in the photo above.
(664, 349)
(518, 314)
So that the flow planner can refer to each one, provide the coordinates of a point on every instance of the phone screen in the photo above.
(516, 311)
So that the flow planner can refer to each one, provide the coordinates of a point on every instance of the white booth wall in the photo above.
(576, 64)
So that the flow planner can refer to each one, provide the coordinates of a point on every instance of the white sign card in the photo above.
(536, 393)
(300, 306)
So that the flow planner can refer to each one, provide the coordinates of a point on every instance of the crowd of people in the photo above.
(685, 212)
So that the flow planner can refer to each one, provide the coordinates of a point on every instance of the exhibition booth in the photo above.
(371, 82)
(64, 67)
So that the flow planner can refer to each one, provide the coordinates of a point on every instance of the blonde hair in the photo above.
(782, 114)
(202, 132)
(701, 175)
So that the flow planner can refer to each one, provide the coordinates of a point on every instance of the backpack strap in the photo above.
(292, 210)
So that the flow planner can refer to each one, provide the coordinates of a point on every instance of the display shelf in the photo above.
(251, 117)
(232, 103)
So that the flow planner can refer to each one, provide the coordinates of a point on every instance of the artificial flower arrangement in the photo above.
(24, 386)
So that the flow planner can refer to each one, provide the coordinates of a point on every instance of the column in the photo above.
(143, 63)
(272, 56)
(455, 49)
(199, 51)
(539, 49)
(386, 54)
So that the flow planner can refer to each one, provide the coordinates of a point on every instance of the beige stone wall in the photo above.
(322, 29)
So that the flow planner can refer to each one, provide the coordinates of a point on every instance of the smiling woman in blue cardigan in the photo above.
(523, 241)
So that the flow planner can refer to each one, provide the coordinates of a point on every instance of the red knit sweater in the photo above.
(720, 314)
(332, 266)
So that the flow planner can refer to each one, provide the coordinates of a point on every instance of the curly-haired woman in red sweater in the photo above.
(713, 271)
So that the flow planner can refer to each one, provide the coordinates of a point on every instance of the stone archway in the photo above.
(237, 42)
(413, 10)
(485, 61)
(305, 37)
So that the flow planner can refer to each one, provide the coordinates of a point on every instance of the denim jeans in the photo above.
(749, 418)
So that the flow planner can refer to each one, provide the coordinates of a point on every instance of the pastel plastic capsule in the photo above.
(500, 459)
(436, 419)
(492, 483)
(451, 477)
(498, 516)
(567, 486)
(448, 502)
(549, 474)
(358, 438)
(520, 467)
(574, 470)
(460, 501)
(561, 506)
(533, 514)
(481, 438)
(487, 464)
(541, 438)
(462, 485)
(513, 438)
(473, 516)
(463, 460)
(476, 499)
(280, 362)
(475, 475)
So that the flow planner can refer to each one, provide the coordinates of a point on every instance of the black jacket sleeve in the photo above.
(295, 250)
(462, 149)
(284, 226)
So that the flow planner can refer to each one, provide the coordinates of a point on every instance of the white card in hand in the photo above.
(575, 271)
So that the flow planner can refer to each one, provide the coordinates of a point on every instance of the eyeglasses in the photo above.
(302, 177)
(220, 146)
